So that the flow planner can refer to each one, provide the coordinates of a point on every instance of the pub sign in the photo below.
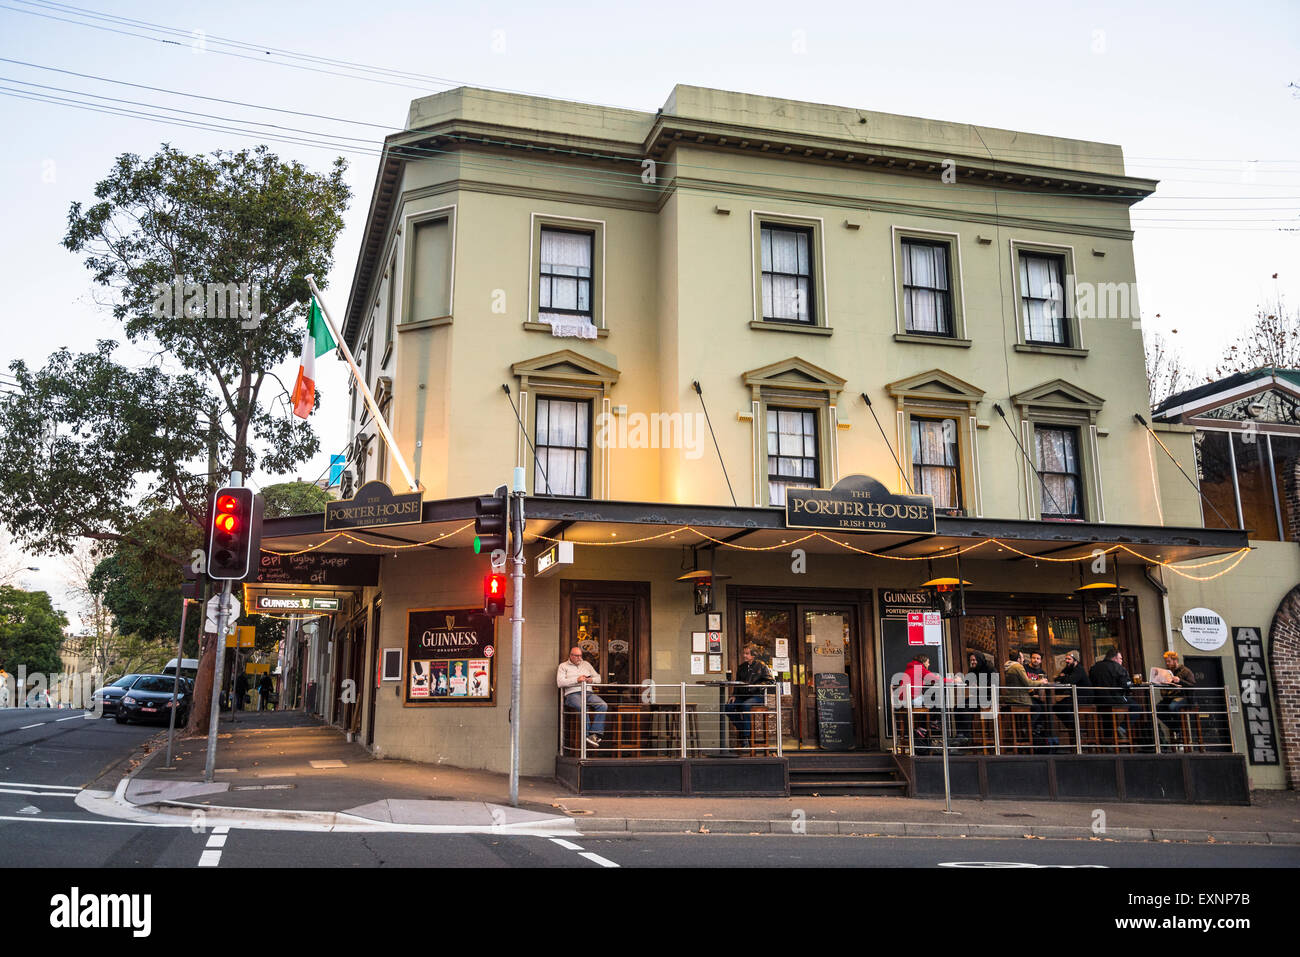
(858, 503)
(374, 505)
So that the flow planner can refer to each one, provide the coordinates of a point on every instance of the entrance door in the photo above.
(610, 622)
(819, 640)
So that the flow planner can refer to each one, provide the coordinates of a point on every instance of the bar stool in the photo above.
(1014, 741)
(1089, 727)
(762, 726)
(1112, 720)
(664, 736)
(1188, 738)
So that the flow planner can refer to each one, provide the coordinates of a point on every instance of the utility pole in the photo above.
(516, 628)
(223, 608)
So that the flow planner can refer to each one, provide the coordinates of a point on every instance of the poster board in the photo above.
(451, 658)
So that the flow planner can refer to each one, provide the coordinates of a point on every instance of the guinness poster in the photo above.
(450, 655)
(858, 503)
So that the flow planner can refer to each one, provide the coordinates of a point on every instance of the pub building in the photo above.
(796, 379)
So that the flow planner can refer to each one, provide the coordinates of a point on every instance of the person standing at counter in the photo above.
(753, 675)
(574, 678)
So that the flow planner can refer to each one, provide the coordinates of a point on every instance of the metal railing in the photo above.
(1060, 719)
(678, 721)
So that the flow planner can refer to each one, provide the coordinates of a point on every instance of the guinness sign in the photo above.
(858, 503)
(374, 505)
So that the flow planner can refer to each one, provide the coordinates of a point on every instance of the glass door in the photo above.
(603, 630)
(818, 641)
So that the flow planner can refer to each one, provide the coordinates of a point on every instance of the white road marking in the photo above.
(603, 862)
(210, 859)
(567, 845)
(36, 725)
(49, 794)
(221, 830)
(217, 840)
(29, 809)
(73, 717)
(67, 820)
(30, 784)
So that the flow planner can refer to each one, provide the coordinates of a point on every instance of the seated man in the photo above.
(1177, 699)
(1072, 673)
(574, 678)
(1112, 684)
(1013, 693)
(755, 676)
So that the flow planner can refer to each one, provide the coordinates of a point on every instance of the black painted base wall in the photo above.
(761, 777)
(1164, 779)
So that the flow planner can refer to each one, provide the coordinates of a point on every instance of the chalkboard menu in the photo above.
(834, 711)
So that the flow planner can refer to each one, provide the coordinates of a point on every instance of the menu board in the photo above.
(834, 711)
(449, 653)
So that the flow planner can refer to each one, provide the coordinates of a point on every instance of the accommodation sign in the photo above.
(450, 656)
(858, 503)
(375, 505)
(1261, 737)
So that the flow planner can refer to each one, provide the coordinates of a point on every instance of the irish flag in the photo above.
(316, 342)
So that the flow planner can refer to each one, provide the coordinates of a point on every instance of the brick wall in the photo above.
(1284, 665)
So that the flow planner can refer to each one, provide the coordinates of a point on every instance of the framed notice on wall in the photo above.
(450, 654)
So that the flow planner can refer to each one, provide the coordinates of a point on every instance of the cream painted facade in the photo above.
(444, 310)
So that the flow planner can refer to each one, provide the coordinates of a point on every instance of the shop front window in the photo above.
(1062, 638)
(1022, 633)
(1214, 470)
(979, 635)
(1255, 485)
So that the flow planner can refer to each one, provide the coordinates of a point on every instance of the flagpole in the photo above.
(365, 389)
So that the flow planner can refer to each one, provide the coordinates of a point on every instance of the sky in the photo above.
(1205, 98)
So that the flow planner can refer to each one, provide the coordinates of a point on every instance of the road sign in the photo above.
(214, 609)
(247, 637)
(924, 628)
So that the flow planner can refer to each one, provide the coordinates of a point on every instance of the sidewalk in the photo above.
(289, 767)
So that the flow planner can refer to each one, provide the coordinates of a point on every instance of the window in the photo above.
(565, 274)
(787, 271)
(428, 269)
(935, 461)
(563, 443)
(1059, 469)
(791, 452)
(1042, 299)
(927, 288)
(392, 306)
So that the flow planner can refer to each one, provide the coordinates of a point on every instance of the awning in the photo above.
(449, 524)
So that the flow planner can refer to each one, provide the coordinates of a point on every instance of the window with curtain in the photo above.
(1061, 491)
(565, 274)
(935, 468)
(1042, 297)
(791, 452)
(927, 291)
(786, 253)
(563, 444)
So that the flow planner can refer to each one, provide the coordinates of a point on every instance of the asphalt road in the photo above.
(47, 756)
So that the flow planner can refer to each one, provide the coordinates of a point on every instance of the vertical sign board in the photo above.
(1261, 738)
(450, 657)
(834, 711)
(896, 606)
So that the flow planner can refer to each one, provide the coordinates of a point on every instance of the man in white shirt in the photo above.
(573, 678)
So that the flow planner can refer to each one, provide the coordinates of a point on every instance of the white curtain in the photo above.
(935, 468)
(1058, 462)
(791, 451)
(785, 296)
(566, 271)
(926, 292)
(1042, 291)
(563, 443)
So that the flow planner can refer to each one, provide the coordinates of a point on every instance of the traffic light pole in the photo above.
(223, 608)
(516, 628)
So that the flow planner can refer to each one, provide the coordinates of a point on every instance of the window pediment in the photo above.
(565, 367)
(794, 374)
(1059, 396)
(936, 386)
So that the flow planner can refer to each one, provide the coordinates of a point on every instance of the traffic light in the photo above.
(235, 533)
(490, 526)
(494, 594)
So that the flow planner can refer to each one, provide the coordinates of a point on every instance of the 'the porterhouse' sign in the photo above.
(374, 504)
(858, 503)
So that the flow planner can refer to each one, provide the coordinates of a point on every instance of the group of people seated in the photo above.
(1107, 685)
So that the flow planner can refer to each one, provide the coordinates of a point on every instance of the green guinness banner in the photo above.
(858, 503)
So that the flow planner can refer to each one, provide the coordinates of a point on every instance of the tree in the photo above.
(295, 498)
(1166, 374)
(175, 237)
(31, 631)
(1273, 341)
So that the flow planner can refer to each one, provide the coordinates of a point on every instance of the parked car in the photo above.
(150, 698)
(38, 699)
(111, 694)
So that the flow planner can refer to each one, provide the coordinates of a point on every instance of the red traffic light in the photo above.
(494, 594)
(234, 534)
(227, 503)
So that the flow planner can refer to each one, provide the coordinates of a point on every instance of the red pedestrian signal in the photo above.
(235, 534)
(494, 594)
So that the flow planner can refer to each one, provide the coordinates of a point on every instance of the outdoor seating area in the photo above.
(1062, 719)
